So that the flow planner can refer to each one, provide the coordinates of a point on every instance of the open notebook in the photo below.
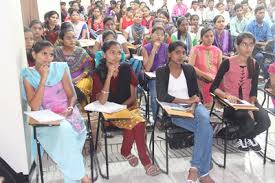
(44, 116)
(177, 110)
(241, 104)
(108, 107)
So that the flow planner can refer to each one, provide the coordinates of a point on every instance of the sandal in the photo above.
(191, 175)
(132, 159)
(152, 170)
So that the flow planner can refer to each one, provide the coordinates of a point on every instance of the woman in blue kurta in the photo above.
(48, 86)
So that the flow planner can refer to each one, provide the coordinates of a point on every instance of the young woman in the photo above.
(206, 60)
(80, 63)
(38, 30)
(48, 86)
(168, 26)
(117, 83)
(223, 39)
(177, 83)
(126, 20)
(240, 79)
(195, 30)
(95, 22)
(107, 36)
(182, 34)
(80, 27)
(109, 24)
(155, 55)
(51, 27)
(136, 32)
(29, 44)
(147, 18)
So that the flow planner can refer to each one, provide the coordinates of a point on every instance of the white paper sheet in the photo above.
(44, 116)
(151, 75)
(108, 107)
(174, 106)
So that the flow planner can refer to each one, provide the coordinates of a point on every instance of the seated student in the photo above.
(179, 9)
(225, 14)
(223, 39)
(126, 20)
(79, 61)
(136, 32)
(206, 58)
(169, 27)
(51, 27)
(29, 44)
(95, 22)
(109, 24)
(210, 12)
(154, 55)
(262, 32)
(107, 36)
(38, 30)
(147, 20)
(195, 30)
(156, 22)
(239, 22)
(80, 27)
(182, 34)
(48, 86)
(115, 82)
(240, 78)
(177, 83)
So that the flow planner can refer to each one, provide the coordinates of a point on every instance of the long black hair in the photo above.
(102, 69)
(179, 21)
(250, 61)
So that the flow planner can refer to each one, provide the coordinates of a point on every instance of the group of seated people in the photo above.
(189, 62)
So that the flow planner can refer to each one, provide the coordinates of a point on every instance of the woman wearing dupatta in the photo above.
(48, 86)
(79, 61)
(206, 60)
(223, 39)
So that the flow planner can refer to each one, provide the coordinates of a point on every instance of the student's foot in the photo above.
(132, 159)
(193, 175)
(252, 144)
(206, 179)
(241, 144)
(86, 179)
(152, 170)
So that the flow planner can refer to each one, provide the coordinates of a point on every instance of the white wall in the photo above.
(13, 147)
(47, 5)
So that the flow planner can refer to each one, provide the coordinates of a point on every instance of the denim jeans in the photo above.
(260, 58)
(203, 138)
(153, 97)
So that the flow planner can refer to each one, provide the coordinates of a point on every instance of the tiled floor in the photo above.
(241, 167)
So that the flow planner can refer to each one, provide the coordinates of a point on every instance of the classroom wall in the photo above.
(14, 134)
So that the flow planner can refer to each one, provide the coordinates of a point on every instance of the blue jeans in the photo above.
(153, 97)
(203, 138)
(260, 58)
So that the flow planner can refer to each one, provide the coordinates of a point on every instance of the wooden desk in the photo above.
(121, 115)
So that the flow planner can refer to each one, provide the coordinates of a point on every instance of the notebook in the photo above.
(44, 116)
(108, 107)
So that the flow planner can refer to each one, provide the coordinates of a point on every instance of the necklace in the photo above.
(208, 59)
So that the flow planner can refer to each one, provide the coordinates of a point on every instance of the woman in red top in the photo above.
(115, 82)
(51, 27)
(147, 18)
(95, 23)
(126, 20)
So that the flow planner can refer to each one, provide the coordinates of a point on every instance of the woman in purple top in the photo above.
(155, 55)
(223, 39)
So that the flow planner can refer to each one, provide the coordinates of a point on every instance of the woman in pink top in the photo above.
(271, 71)
(179, 9)
(206, 59)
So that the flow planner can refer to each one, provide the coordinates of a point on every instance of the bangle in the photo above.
(104, 92)
(70, 108)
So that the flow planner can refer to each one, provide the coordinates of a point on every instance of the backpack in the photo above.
(136, 65)
(10, 176)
